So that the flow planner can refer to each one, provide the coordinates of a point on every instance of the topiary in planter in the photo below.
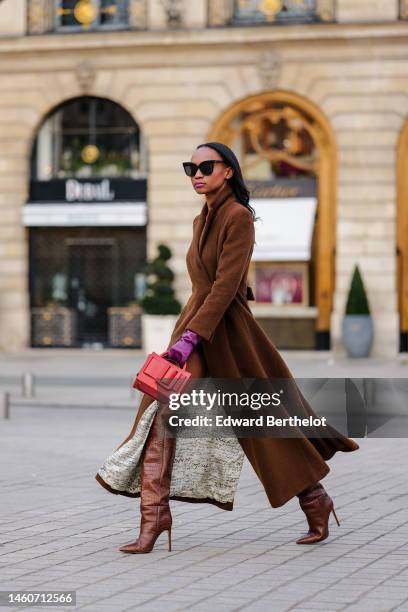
(357, 325)
(357, 302)
(159, 298)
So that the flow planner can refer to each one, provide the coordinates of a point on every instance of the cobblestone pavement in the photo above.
(61, 530)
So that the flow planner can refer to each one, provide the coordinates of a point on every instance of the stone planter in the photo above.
(156, 332)
(54, 326)
(357, 334)
(124, 326)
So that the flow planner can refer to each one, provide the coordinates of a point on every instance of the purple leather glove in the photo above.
(181, 350)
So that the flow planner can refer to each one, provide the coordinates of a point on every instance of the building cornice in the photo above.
(299, 34)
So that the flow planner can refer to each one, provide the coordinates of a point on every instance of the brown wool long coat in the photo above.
(235, 346)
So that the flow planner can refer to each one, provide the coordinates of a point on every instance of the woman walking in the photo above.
(217, 336)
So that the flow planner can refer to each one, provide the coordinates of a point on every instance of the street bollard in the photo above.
(28, 384)
(5, 404)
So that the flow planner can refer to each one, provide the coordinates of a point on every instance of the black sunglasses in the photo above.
(206, 167)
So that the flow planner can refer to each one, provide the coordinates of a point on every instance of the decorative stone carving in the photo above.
(174, 12)
(269, 69)
(220, 12)
(326, 10)
(85, 73)
(138, 14)
(40, 16)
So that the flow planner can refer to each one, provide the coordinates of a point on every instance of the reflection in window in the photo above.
(92, 14)
(253, 11)
(89, 137)
(273, 140)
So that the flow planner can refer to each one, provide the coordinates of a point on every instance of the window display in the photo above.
(280, 283)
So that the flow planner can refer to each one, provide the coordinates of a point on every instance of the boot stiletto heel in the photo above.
(335, 516)
(317, 504)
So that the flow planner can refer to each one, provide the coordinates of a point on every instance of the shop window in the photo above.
(260, 11)
(91, 14)
(253, 12)
(275, 143)
(89, 138)
(45, 16)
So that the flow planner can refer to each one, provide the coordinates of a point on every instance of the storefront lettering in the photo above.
(276, 192)
(88, 192)
(283, 188)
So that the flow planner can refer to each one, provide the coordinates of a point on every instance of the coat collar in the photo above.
(207, 215)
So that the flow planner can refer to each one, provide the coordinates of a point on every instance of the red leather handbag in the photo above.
(160, 377)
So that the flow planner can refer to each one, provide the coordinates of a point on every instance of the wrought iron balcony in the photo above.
(85, 15)
(254, 12)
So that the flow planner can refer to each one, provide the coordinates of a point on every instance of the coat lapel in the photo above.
(207, 216)
(203, 227)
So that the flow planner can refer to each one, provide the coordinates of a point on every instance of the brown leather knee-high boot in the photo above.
(317, 504)
(155, 488)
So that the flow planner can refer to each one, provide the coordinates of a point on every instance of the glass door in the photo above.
(91, 285)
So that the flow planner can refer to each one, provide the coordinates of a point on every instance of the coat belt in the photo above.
(249, 293)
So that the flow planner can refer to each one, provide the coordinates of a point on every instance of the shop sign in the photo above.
(78, 190)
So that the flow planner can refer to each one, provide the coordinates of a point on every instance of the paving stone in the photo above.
(61, 530)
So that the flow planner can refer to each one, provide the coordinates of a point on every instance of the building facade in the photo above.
(101, 101)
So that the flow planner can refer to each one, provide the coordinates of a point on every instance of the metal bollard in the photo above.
(28, 384)
(5, 404)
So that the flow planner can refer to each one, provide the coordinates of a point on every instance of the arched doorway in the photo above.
(402, 236)
(287, 149)
(86, 216)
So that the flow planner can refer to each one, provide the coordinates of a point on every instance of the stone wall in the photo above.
(176, 87)
(366, 10)
(13, 17)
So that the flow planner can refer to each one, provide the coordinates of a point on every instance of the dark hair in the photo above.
(236, 181)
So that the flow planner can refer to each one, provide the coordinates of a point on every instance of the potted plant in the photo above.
(160, 309)
(357, 324)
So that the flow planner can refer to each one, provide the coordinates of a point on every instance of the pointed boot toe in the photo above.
(317, 509)
(130, 547)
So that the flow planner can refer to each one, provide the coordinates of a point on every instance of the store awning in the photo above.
(84, 214)
(285, 228)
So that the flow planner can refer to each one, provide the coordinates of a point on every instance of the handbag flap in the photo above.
(158, 368)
